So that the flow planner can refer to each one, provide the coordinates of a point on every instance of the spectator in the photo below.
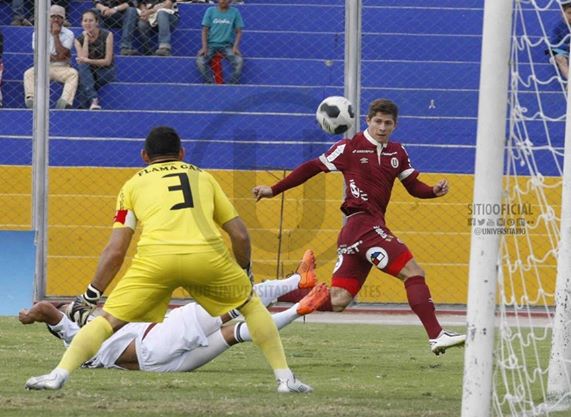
(161, 15)
(95, 60)
(59, 46)
(221, 33)
(1, 64)
(559, 41)
(23, 12)
(119, 13)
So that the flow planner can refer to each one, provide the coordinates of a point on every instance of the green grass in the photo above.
(356, 370)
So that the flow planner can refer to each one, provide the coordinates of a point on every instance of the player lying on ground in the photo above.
(182, 211)
(188, 337)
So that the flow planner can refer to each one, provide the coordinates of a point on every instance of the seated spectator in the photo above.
(559, 41)
(59, 46)
(23, 12)
(221, 33)
(119, 13)
(95, 60)
(161, 15)
(1, 64)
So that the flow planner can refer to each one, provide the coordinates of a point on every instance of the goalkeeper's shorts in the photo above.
(213, 279)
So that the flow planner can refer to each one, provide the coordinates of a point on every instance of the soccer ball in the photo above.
(335, 115)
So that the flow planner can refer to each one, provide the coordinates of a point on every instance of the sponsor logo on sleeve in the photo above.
(333, 155)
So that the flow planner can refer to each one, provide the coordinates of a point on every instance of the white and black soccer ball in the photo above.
(335, 115)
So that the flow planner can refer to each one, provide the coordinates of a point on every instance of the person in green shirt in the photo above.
(221, 33)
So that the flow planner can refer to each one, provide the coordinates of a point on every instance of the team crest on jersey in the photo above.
(394, 162)
(378, 257)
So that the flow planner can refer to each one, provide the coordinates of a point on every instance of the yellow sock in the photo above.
(264, 332)
(86, 343)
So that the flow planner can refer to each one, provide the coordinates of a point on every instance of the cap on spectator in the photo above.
(56, 10)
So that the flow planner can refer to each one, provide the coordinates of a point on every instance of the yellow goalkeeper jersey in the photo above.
(178, 205)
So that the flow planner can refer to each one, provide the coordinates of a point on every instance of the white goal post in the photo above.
(484, 249)
(513, 374)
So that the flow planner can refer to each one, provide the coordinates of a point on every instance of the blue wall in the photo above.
(17, 273)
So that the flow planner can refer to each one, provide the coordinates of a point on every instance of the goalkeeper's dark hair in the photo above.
(162, 141)
(385, 106)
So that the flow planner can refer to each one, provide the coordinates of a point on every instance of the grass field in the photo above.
(357, 370)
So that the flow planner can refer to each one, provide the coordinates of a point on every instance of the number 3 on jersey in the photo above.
(184, 186)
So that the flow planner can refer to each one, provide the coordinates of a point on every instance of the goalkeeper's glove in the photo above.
(248, 271)
(83, 305)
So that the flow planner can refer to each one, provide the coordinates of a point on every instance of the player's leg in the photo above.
(144, 280)
(303, 278)
(163, 347)
(217, 283)
(84, 346)
(351, 268)
(419, 298)
(307, 305)
(420, 301)
(222, 339)
(392, 256)
(266, 337)
(349, 275)
(218, 342)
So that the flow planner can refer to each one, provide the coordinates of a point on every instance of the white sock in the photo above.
(283, 373)
(282, 319)
(197, 357)
(269, 290)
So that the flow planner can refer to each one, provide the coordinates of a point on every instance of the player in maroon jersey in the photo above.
(370, 163)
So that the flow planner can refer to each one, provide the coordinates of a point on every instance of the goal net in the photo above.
(531, 210)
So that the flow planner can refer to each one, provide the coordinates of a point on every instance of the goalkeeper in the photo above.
(188, 337)
(180, 208)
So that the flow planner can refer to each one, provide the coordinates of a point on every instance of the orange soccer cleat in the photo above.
(306, 270)
(312, 301)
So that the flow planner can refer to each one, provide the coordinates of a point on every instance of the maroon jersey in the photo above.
(369, 169)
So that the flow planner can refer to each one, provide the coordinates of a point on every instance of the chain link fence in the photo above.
(425, 57)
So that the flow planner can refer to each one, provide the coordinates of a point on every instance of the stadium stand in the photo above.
(423, 54)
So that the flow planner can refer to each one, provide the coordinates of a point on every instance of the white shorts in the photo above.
(160, 347)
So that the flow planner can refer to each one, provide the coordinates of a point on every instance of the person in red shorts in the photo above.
(370, 163)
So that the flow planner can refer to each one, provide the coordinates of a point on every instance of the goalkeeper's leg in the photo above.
(83, 347)
(265, 335)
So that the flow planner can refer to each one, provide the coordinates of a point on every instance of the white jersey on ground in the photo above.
(160, 347)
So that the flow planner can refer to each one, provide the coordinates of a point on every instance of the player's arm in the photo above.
(419, 189)
(226, 216)
(240, 238)
(297, 177)
(42, 312)
(112, 257)
(109, 264)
